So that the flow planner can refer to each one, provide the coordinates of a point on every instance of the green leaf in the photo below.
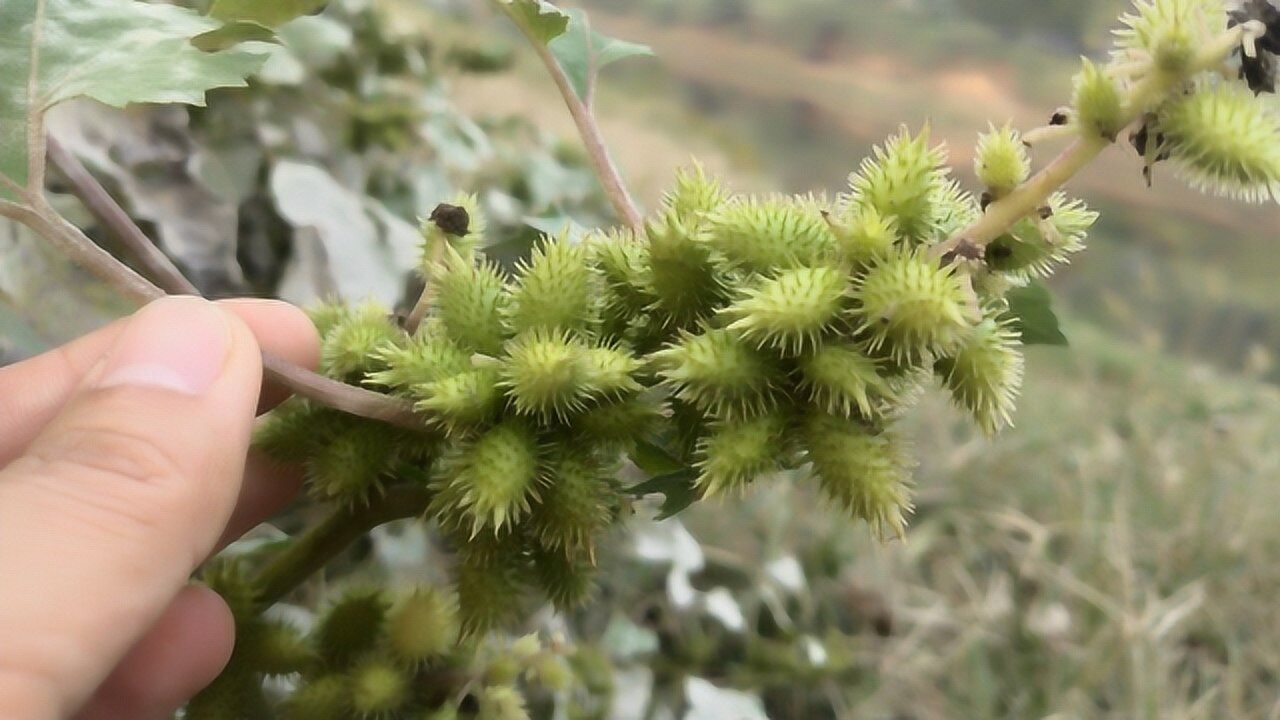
(232, 34)
(654, 460)
(1032, 309)
(542, 20)
(668, 477)
(268, 13)
(679, 488)
(114, 51)
(583, 52)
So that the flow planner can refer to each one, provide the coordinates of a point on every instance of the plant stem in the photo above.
(73, 243)
(341, 396)
(423, 306)
(1033, 193)
(36, 136)
(419, 312)
(9, 209)
(593, 140)
(114, 218)
(309, 553)
(1048, 133)
(1141, 97)
(584, 118)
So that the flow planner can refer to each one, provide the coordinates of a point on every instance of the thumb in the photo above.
(119, 499)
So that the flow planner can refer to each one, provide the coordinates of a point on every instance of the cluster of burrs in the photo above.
(376, 653)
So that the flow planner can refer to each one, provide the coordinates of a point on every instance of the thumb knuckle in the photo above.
(115, 469)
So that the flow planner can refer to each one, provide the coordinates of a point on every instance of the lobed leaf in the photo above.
(583, 52)
(268, 13)
(114, 51)
(542, 20)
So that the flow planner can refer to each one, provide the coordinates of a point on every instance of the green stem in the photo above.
(1028, 197)
(585, 120)
(435, 252)
(1141, 98)
(310, 552)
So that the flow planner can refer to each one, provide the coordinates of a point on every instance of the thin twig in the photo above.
(324, 541)
(1049, 133)
(114, 218)
(80, 249)
(606, 170)
(73, 243)
(35, 117)
(610, 177)
(1027, 197)
(10, 210)
(341, 396)
(420, 309)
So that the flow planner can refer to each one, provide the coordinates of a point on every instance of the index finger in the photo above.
(32, 392)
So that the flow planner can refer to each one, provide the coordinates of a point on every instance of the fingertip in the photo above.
(183, 652)
(281, 330)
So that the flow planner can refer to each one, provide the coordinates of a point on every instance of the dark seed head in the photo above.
(453, 220)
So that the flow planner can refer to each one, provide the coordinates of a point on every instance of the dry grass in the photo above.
(1116, 556)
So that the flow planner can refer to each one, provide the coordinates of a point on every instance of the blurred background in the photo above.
(1117, 555)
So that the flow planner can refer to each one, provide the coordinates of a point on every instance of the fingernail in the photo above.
(176, 343)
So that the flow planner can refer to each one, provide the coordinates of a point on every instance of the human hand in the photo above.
(124, 468)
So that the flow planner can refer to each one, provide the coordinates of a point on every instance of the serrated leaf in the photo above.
(542, 20)
(114, 51)
(1032, 310)
(232, 34)
(678, 488)
(583, 52)
(269, 13)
